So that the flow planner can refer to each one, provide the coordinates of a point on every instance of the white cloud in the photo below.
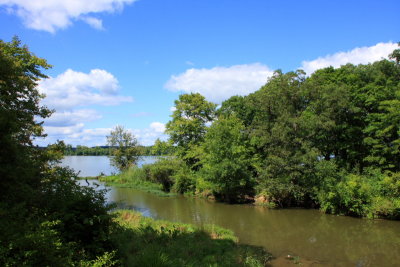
(79, 135)
(72, 89)
(70, 118)
(94, 22)
(75, 135)
(70, 93)
(158, 127)
(220, 83)
(51, 15)
(359, 55)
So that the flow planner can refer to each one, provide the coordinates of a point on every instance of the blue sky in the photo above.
(125, 62)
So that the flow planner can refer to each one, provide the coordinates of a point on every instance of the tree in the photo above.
(20, 71)
(240, 107)
(125, 148)
(161, 148)
(226, 160)
(47, 219)
(189, 124)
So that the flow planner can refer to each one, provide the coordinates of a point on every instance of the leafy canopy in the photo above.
(126, 151)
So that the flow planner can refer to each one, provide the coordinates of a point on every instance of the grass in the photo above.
(134, 178)
(144, 241)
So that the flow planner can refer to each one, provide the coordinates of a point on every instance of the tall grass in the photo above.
(147, 242)
(135, 178)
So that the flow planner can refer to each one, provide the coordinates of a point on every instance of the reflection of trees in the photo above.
(307, 233)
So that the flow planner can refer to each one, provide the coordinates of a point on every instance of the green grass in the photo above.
(144, 241)
(134, 178)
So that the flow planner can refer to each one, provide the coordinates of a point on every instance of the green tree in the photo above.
(238, 106)
(125, 148)
(226, 160)
(47, 219)
(161, 148)
(20, 71)
(189, 124)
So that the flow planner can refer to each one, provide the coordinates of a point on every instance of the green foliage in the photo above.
(134, 178)
(87, 151)
(105, 260)
(226, 160)
(20, 72)
(240, 107)
(299, 141)
(125, 148)
(185, 180)
(163, 171)
(46, 218)
(161, 148)
(147, 242)
(372, 194)
(188, 125)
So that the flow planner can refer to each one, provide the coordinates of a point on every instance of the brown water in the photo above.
(318, 239)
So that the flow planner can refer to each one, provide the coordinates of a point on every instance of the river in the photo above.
(318, 239)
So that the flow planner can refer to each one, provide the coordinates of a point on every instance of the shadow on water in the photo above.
(150, 243)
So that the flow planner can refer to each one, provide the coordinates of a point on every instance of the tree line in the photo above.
(160, 148)
(330, 140)
(48, 219)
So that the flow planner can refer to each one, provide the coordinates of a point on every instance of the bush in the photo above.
(163, 171)
(279, 194)
(371, 194)
(185, 180)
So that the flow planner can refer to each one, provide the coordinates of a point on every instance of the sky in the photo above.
(125, 62)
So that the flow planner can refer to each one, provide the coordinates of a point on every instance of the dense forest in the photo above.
(330, 140)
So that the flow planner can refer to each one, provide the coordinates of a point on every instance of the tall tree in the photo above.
(226, 160)
(20, 71)
(47, 219)
(189, 123)
(125, 148)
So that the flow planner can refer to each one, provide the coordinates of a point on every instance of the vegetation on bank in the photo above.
(135, 178)
(330, 141)
(147, 242)
(47, 219)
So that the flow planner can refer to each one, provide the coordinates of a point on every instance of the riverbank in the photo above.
(281, 232)
(143, 241)
(132, 178)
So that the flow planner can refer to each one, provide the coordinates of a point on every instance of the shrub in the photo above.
(163, 171)
(185, 180)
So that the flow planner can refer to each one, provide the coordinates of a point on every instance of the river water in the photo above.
(318, 239)
(95, 165)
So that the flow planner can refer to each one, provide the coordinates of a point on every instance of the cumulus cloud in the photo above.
(73, 89)
(359, 55)
(79, 135)
(75, 135)
(219, 83)
(94, 22)
(158, 127)
(71, 94)
(51, 15)
(73, 117)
